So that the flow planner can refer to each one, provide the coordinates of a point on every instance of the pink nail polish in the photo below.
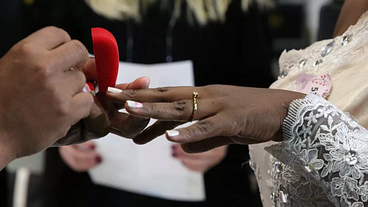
(134, 104)
(86, 88)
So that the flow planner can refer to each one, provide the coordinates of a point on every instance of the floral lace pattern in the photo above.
(326, 152)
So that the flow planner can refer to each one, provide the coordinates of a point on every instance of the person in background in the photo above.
(322, 158)
(230, 45)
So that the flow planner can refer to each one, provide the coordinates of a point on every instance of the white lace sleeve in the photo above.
(330, 149)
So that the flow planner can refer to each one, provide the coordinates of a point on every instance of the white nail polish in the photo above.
(86, 88)
(114, 90)
(172, 133)
(134, 105)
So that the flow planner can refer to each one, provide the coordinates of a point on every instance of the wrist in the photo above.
(286, 97)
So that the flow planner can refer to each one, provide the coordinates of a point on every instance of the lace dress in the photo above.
(323, 160)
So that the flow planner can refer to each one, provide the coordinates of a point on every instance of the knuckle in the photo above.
(57, 32)
(63, 111)
(26, 49)
(179, 108)
(162, 89)
(131, 93)
(203, 127)
(161, 92)
(43, 68)
(79, 47)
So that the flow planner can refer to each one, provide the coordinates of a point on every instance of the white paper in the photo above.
(149, 169)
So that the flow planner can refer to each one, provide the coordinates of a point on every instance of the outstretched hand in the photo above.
(225, 114)
(98, 122)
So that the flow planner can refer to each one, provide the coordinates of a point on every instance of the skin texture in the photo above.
(97, 124)
(41, 96)
(83, 157)
(43, 101)
(349, 15)
(226, 114)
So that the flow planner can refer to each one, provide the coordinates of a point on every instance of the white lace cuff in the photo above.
(328, 147)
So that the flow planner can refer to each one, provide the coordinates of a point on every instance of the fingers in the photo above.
(194, 165)
(48, 38)
(179, 153)
(97, 124)
(74, 81)
(70, 54)
(89, 69)
(80, 157)
(200, 162)
(127, 126)
(81, 105)
(165, 94)
(174, 111)
(207, 128)
(155, 130)
(139, 83)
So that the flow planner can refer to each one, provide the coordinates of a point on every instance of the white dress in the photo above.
(323, 160)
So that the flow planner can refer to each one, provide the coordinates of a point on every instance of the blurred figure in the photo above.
(228, 42)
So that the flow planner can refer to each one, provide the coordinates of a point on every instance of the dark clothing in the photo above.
(12, 24)
(3, 188)
(235, 52)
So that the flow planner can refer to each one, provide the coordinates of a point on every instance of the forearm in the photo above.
(350, 14)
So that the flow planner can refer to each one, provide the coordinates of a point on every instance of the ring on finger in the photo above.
(195, 105)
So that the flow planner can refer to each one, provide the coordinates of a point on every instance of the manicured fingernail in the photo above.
(174, 155)
(98, 159)
(172, 133)
(134, 105)
(114, 90)
(86, 88)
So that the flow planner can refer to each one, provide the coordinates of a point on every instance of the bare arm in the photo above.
(350, 14)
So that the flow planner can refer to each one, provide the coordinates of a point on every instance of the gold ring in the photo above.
(195, 105)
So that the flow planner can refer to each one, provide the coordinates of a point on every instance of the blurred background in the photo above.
(240, 47)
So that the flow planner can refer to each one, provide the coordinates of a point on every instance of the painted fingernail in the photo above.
(98, 159)
(86, 88)
(114, 90)
(174, 155)
(172, 133)
(134, 105)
